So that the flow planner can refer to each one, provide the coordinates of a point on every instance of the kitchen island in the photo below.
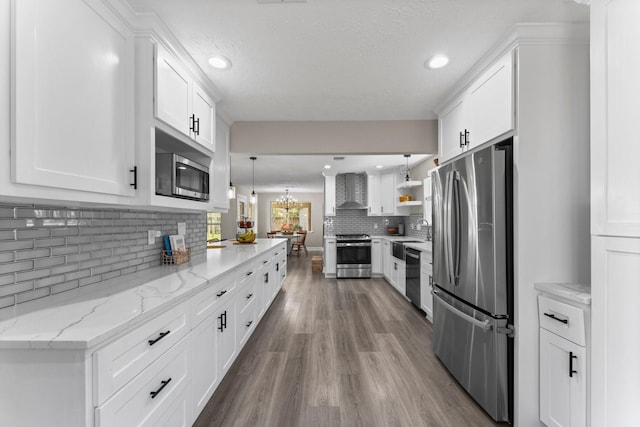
(136, 349)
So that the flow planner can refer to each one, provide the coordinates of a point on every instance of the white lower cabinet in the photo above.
(563, 381)
(147, 400)
(376, 256)
(330, 256)
(226, 336)
(204, 361)
(564, 330)
(387, 264)
(426, 284)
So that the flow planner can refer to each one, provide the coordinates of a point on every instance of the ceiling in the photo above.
(339, 60)
(303, 174)
(343, 59)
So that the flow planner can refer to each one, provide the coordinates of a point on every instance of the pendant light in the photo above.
(231, 192)
(406, 177)
(253, 199)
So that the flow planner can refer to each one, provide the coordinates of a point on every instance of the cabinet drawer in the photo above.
(207, 301)
(117, 363)
(247, 273)
(154, 394)
(246, 295)
(565, 320)
(246, 324)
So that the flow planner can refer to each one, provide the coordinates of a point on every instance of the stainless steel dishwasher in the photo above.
(412, 258)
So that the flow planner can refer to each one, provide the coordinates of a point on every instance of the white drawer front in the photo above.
(246, 295)
(248, 273)
(118, 362)
(562, 319)
(246, 324)
(207, 301)
(153, 397)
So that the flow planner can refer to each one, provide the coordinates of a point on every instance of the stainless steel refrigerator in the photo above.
(473, 275)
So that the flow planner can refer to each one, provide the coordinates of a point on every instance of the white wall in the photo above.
(374, 137)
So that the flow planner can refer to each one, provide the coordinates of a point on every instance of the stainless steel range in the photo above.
(353, 256)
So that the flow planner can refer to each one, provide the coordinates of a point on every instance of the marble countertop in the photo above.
(87, 317)
(578, 292)
(423, 247)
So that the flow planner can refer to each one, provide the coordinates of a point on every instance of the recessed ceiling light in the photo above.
(220, 62)
(437, 61)
(378, 166)
(327, 166)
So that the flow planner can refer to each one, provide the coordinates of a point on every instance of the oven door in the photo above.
(351, 254)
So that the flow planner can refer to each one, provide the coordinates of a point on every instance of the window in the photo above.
(298, 218)
(214, 231)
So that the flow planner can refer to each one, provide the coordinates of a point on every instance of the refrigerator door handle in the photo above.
(484, 325)
(448, 240)
(455, 183)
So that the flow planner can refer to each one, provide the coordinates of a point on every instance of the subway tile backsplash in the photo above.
(45, 250)
(356, 221)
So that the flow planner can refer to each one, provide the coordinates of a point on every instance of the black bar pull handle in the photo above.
(430, 280)
(219, 294)
(266, 278)
(221, 327)
(249, 296)
(466, 137)
(196, 126)
(461, 140)
(163, 385)
(192, 122)
(134, 171)
(250, 323)
(551, 315)
(162, 335)
(571, 357)
(249, 273)
(224, 321)
(265, 261)
(277, 266)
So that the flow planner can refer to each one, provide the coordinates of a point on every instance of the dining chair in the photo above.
(298, 244)
(271, 234)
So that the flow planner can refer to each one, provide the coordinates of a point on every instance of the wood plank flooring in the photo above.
(340, 353)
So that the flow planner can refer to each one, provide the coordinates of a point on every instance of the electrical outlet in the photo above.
(151, 236)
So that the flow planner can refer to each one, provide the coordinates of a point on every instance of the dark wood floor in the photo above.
(339, 353)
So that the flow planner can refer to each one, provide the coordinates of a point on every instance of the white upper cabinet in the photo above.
(387, 194)
(330, 195)
(181, 103)
(491, 103)
(615, 90)
(73, 100)
(373, 195)
(481, 113)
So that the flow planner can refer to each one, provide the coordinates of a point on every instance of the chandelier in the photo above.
(286, 201)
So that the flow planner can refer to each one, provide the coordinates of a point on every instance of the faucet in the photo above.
(423, 221)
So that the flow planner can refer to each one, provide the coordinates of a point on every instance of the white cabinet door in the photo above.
(204, 110)
(491, 103)
(329, 195)
(373, 195)
(173, 93)
(395, 273)
(563, 382)
(615, 90)
(387, 265)
(452, 127)
(615, 352)
(376, 256)
(73, 97)
(226, 336)
(401, 284)
(387, 194)
(204, 362)
(330, 256)
(426, 284)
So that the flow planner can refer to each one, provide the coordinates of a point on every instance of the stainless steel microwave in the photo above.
(177, 176)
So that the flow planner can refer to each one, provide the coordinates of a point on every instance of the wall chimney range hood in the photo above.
(352, 183)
